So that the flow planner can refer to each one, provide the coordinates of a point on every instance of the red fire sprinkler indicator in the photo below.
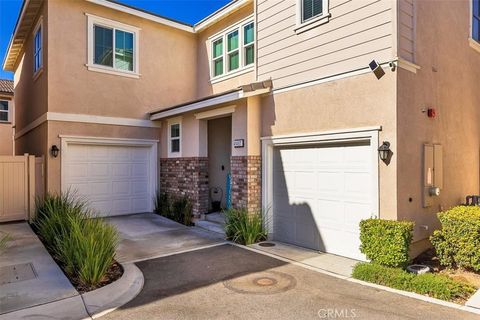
(431, 113)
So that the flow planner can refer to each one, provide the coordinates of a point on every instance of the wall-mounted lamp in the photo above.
(54, 151)
(384, 151)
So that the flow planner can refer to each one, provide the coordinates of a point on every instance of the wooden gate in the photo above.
(18, 186)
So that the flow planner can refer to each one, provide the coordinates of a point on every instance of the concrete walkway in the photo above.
(29, 278)
(147, 235)
(320, 260)
(229, 282)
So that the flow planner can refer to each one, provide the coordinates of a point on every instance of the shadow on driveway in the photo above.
(228, 282)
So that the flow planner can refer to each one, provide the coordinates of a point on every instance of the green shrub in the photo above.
(88, 251)
(52, 214)
(161, 203)
(243, 227)
(433, 285)
(386, 242)
(181, 211)
(83, 245)
(178, 209)
(458, 242)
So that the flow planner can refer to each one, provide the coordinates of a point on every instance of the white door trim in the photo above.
(76, 140)
(354, 135)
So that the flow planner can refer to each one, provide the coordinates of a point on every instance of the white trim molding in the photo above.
(302, 26)
(93, 20)
(369, 134)
(474, 44)
(407, 65)
(221, 13)
(143, 14)
(86, 118)
(171, 122)
(215, 113)
(85, 140)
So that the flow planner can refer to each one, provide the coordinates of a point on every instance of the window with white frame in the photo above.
(233, 49)
(4, 111)
(174, 137)
(37, 48)
(113, 46)
(311, 13)
(476, 20)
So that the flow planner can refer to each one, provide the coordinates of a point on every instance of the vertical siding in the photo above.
(358, 31)
(406, 29)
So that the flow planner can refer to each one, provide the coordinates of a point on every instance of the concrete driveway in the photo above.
(228, 282)
(148, 235)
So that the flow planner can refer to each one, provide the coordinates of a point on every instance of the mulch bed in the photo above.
(114, 273)
(430, 259)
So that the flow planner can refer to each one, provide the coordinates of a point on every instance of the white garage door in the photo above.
(320, 194)
(114, 179)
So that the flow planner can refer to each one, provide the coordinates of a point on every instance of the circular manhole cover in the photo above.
(266, 244)
(264, 282)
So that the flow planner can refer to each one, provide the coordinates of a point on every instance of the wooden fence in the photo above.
(21, 180)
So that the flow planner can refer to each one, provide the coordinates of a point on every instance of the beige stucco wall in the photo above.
(206, 88)
(167, 64)
(30, 91)
(346, 104)
(447, 81)
(6, 129)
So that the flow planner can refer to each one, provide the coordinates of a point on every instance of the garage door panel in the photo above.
(331, 192)
(114, 179)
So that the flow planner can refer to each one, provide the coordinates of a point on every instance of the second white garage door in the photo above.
(114, 179)
(320, 194)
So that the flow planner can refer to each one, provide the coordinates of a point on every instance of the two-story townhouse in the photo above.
(274, 103)
(7, 118)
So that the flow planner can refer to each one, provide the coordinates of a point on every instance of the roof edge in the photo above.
(227, 9)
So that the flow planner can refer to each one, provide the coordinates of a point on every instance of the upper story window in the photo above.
(476, 20)
(233, 49)
(174, 137)
(37, 48)
(112, 47)
(311, 13)
(4, 111)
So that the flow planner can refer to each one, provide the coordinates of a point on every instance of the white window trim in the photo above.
(302, 26)
(95, 20)
(223, 34)
(38, 26)
(8, 112)
(171, 122)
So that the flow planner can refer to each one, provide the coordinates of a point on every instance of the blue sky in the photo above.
(189, 11)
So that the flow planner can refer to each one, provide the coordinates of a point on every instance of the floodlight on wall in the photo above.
(377, 69)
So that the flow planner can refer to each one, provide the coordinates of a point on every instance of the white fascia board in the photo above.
(219, 14)
(229, 97)
(143, 15)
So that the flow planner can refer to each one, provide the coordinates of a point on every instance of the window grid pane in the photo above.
(37, 51)
(233, 61)
(249, 55)
(123, 50)
(175, 131)
(218, 48)
(311, 8)
(103, 51)
(175, 145)
(4, 116)
(248, 33)
(218, 67)
(232, 41)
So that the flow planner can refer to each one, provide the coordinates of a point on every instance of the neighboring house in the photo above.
(7, 118)
(276, 95)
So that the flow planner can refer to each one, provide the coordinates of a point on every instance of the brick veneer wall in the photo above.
(186, 176)
(246, 182)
